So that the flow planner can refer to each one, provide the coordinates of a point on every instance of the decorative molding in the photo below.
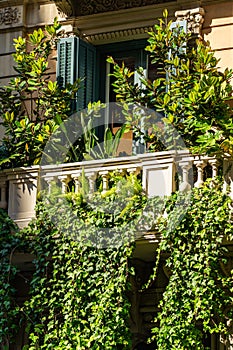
(71, 8)
(194, 17)
(117, 35)
(65, 7)
(9, 16)
(89, 7)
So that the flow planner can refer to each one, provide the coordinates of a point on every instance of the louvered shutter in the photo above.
(66, 62)
(86, 70)
(177, 25)
(77, 59)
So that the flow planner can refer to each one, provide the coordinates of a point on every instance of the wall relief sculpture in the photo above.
(9, 15)
(97, 6)
(90, 7)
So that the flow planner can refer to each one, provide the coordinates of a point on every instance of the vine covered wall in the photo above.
(80, 287)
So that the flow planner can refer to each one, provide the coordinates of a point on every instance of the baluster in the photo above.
(185, 185)
(3, 202)
(65, 179)
(77, 184)
(200, 164)
(105, 176)
(214, 164)
(49, 181)
(91, 179)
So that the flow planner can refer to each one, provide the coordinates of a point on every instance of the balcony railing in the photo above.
(162, 173)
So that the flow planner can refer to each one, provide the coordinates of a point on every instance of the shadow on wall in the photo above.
(145, 346)
(215, 12)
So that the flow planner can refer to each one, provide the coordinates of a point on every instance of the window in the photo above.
(79, 59)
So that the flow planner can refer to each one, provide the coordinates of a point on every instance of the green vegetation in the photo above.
(190, 92)
(9, 243)
(198, 298)
(32, 106)
(78, 291)
(83, 247)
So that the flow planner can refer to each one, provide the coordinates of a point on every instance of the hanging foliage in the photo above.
(9, 242)
(198, 298)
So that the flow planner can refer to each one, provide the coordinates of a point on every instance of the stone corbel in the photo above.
(65, 7)
(194, 17)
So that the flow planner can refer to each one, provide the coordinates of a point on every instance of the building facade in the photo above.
(94, 30)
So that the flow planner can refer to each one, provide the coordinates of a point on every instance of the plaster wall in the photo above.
(218, 30)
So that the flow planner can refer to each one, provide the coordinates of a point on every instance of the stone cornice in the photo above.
(90, 7)
(118, 35)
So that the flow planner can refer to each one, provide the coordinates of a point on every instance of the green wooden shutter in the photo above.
(66, 63)
(77, 59)
(86, 70)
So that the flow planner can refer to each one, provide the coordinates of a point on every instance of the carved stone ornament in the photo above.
(65, 7)
(90, 7)
(9, 15)
(194, 17)
(118, 34)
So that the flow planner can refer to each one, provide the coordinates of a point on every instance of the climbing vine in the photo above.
(78, 291)
(9, 242)
(198, 298)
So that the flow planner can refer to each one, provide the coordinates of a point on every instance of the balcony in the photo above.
(162, 173)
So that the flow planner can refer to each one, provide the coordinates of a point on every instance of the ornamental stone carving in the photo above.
(65, 7)
(118, 35)
(194, 18)
(88, 7)
(71, 8)
(9, 15)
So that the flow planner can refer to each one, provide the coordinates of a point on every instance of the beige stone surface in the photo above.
(217, 14)
(220, 37)
(40, 14)
(6, 40)
(22, 194)
(6, 66)
(226, 59)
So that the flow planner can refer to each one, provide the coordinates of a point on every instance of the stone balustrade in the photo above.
(162, 173)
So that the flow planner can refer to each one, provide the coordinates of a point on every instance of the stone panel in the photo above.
(11, 16)
(6, 66)
(40, 14)
(6, 40)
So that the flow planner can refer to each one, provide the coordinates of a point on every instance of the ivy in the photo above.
(78, 297)
(198, 298)
(79, 288)
(9, 242)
